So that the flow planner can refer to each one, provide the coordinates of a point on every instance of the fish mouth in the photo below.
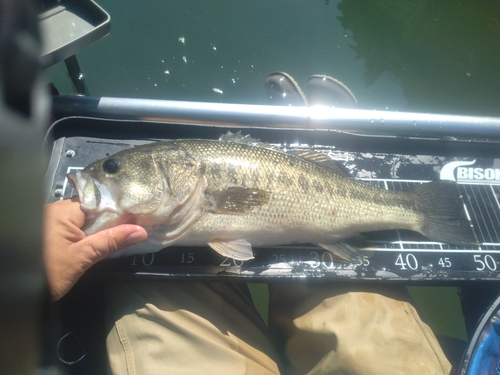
(97, 202)
(95, 197)
(89, 195)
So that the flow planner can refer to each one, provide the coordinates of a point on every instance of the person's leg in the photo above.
(187, 328)
(330, 329)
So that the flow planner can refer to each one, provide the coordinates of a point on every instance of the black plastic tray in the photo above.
(390, 162)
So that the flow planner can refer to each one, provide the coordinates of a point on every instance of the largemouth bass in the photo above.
(236, 193)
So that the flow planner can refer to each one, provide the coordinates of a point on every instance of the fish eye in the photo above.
(111, 166)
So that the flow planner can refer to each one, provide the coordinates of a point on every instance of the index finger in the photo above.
(66, 209)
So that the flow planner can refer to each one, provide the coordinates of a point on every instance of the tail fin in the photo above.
(445, 219)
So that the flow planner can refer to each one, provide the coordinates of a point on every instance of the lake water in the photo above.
(426, 56)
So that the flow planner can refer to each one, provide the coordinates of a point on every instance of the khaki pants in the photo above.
(213, 328)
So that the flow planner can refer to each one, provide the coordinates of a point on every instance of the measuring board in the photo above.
(394, 255)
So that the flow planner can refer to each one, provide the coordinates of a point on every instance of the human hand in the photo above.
(68, 253)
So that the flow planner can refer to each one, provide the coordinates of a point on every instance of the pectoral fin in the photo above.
(237, 249)
(236, 200)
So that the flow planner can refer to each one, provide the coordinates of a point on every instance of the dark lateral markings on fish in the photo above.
(236, 193)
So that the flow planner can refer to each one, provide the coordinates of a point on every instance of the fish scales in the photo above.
(328, 207)
(233, 195)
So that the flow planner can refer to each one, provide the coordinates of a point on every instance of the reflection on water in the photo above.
(444, 54)
(433, 56)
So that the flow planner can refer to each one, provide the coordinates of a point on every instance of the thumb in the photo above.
(104, 243)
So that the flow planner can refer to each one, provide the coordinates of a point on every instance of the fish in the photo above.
(236, 193)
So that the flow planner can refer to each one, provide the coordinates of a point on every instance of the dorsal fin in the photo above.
(246, 140)
(238, 137)
(315, 157)
(321, 159)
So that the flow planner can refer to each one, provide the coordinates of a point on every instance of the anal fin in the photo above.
(345, 251)
(236, 249)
